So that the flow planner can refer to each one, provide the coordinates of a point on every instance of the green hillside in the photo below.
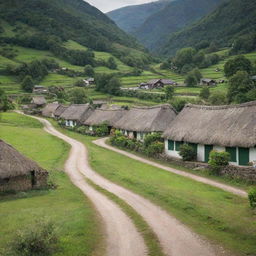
(233, 19)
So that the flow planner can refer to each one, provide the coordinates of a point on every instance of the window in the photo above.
(170, 145)
(177, 145)
(232, 152)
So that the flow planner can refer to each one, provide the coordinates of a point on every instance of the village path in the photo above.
(122, 237)
(233, 190)
(175, 238)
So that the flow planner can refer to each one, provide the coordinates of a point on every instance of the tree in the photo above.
(114, 85)
(240, 63)
(27, 84)
(191, 79)
(111, 63)
(218, 98)
(89, 71)
(5, 103)
(205, 93)
(184, 56)
(169, 92)
(78, 96)
(239, 87)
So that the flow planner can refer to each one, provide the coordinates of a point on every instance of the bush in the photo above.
(252, 197)
(154, 149)
(151, 138)
(39, 239)
(187, 152)
(102, 130)
(218, 160)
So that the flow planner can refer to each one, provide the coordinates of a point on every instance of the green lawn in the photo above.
(75, 218)
(221, 216)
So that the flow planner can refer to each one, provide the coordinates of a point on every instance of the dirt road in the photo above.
(175, 238)
(122, 237)
(236, 191)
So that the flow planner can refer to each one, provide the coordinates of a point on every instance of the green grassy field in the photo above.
(222, 217)
(77, 224)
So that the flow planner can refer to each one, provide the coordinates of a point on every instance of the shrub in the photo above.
(252, 197)
(218, 160)
(187, 152)
(102, 130)
(39, 239)
(151, 138)
(154, 149)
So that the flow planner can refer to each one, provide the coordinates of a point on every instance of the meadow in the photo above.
(77, 223)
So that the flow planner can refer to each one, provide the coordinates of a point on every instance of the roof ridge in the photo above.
(209, 107)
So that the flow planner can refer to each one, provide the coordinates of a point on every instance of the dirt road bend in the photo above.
(175, 238)
(122, 238)
(233, 190)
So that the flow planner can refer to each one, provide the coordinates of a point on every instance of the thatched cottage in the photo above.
(38, 101)
(107, 116)
(157, 83)
(75, 114)
(18, 173)
(59, 110)
(222, 128)
(49, 109)
(140, 121)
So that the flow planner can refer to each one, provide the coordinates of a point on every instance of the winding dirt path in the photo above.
(122, 237)
(175, 238)
(233, 190)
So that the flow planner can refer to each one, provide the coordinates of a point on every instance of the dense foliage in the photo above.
(187, 152)
(108, 83)
(230, 24)
(252, 197)
(78, 96)
(5, 102)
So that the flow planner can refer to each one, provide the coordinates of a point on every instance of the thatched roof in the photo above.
(230, 126)
(13, 163)
(49, 109)
(38, 100)
(76, 112)
(100, 116)
(59, 110)
(147, 119)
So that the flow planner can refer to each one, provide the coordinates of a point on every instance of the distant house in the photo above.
(38, 101)
(39, 89)
(156, 83)
(91, 80)
(208, 82)
(222, 128)
(140, 121)
(59, 110)
(75, 114)
(104, 116)
(17, 172)
(49, 109)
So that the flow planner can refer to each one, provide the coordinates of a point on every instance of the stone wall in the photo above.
(235, 172)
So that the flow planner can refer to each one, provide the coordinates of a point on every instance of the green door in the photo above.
(207, 150)
(243, 156)
(232, 152)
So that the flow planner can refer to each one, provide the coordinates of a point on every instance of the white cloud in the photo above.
(109, 5)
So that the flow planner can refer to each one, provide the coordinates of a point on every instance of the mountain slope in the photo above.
(66, 19)
(175, 16)
(232, 19)
(130, 18)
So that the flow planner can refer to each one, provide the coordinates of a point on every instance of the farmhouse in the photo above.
(156, 83)
(208, 82)
(49, 109)
(104, 116)
(59, 110)
(222, 128)
(18, 173)
(140, 121)
(76, 114)
(38, 101)
(39, 89)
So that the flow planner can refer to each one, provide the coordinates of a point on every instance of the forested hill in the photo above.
(233, 21)
(175, 16)
(60, 20)
(130, 18)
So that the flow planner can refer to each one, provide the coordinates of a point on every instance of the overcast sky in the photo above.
(109, 5)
